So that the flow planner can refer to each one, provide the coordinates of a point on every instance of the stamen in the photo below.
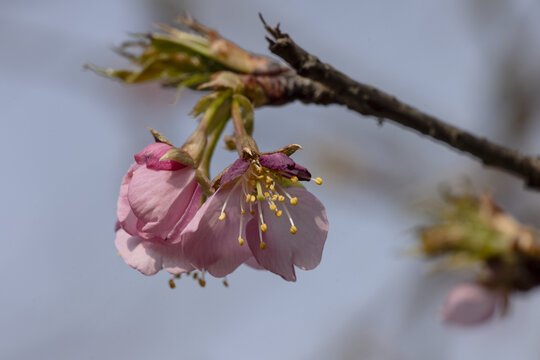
(281, 198)
(242, 211)
(266, 194)
(294, 179)
(273, 207)
(240, 240)
(262, 244)
(318, 181)
(272, 188)
(252, 198)
(293, 230)
(222, 215)
(225, 283)
(269, 180)
(278, 213)
(263, 226)
(274, 197)
(294, 201)
(248, 198)
(172, 285)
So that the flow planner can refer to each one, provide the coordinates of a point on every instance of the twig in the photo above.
(367, 100)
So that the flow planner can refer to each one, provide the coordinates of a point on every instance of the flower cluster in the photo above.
(259, 214)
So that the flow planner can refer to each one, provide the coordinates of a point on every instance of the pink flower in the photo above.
(157, 200)
(259, 203)
(470, 304)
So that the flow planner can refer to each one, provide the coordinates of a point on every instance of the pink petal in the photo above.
(469, 304)
(137, 253)
(212, 244)
(280, 161)
(159, 199)
(125, 215)
(276, 161)
(151, 154)
(149, 257)
(252, 263)
(283, 249)
(238, 168)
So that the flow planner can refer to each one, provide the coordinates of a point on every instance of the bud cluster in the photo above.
(504, 254)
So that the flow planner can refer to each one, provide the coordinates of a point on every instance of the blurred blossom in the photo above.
(470, 304)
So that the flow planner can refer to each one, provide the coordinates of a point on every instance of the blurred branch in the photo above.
(368, 100)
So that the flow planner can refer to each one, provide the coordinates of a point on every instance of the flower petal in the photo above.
(276, 161)
(469, 304)
(151, 154)
(125, 215)
(252, 263)
(238, 168)
(160, 198)
(137, 253)
(281, 162)
(283, 249)
(212, 244)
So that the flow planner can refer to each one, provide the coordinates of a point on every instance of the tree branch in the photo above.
(367, 100)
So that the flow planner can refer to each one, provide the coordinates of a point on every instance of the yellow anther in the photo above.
(294, 179)
(202, 283)
(278, 213)
(269, 180)
(264, 227)
(262, 245)
(266, 194)
(248, 197)
(293, 230)
(294, 201)
(281, 198)
(273, 207)
(172, 285)
(252, 198)
(266, 186)
(318, 181)
(243, 211)
(222, 216)
(274, 197)
(272, 187)
(240, 241)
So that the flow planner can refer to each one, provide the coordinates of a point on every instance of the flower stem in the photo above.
(245, 145)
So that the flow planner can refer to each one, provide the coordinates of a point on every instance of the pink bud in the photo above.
(469, 304)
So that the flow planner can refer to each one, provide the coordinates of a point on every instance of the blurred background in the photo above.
(69, 137)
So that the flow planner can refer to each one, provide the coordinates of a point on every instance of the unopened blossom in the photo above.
(157, 200)
(470, 304)
(259, 212)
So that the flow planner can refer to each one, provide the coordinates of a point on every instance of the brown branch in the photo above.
(367, 100)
